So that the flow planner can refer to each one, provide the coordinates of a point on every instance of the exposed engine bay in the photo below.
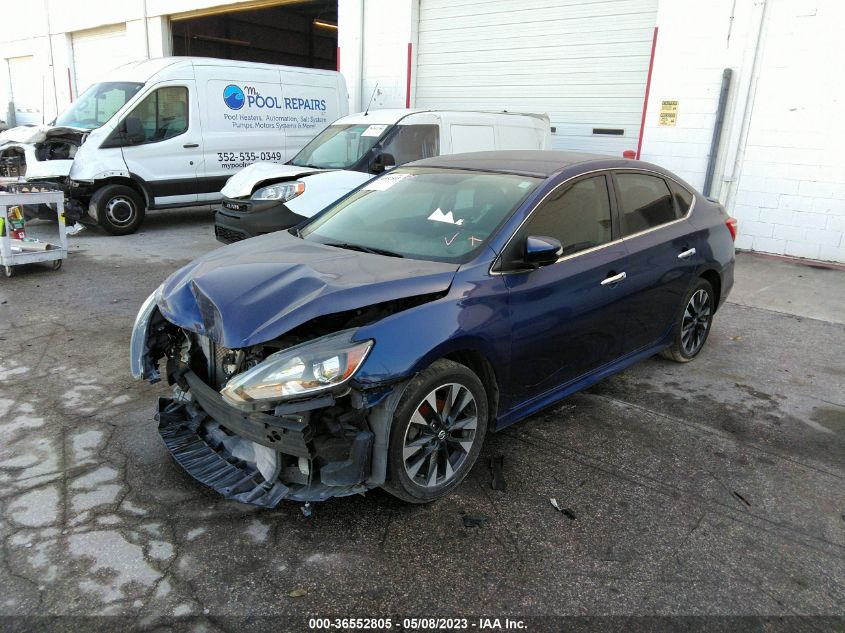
(21, 148)
(309, 449)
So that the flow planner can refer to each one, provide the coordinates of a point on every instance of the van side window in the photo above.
(163, 114)
(646, 202)
(413, 142)
(577, 216)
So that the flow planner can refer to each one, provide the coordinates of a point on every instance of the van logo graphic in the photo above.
(233, 97)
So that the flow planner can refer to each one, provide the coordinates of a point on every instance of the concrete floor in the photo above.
(712, 488)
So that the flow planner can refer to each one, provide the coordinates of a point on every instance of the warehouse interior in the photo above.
(293, 34)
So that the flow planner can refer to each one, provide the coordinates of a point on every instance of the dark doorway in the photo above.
(295, 34)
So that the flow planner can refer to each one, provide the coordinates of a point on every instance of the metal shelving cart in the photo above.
(12, 255)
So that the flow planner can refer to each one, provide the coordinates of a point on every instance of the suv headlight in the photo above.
(303, 370)
(282, 191)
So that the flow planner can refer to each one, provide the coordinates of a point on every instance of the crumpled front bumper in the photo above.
(191, 430)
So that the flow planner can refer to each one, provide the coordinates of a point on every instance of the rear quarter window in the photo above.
(683, 197)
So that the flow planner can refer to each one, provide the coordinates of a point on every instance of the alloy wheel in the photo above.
(696, 322)
(440, 435)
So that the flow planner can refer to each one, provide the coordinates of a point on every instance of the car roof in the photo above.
(539, 163)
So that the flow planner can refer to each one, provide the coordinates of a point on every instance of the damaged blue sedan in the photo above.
(377, 344)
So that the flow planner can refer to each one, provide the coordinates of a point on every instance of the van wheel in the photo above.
(120, 210)
(438, 429)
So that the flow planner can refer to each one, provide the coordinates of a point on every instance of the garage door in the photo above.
(583, 62)
(97, 51)
(27, 90)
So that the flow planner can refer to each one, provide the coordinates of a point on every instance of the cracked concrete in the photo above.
(709, 488)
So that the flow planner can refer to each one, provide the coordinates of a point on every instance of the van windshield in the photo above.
(340, 146)
(98, 104)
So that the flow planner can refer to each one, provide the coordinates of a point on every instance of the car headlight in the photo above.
(138, 342)
(303, 370)
(282, 191)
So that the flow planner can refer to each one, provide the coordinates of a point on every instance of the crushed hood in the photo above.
(242, 183)
(24, 134)
(256, 290)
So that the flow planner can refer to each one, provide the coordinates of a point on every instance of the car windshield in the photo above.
(98, 104)
(422, 213)
(339, 146)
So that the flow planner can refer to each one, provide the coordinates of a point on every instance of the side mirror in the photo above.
(541, 250)
(383, 162)
(133, 131)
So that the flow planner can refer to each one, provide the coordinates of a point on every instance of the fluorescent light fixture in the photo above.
(324, 24)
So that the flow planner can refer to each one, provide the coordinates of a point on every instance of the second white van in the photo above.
(169, 132)
(266, 197)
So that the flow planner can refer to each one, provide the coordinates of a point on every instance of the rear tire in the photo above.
(692, 326)
(120, 209)
(437, 433)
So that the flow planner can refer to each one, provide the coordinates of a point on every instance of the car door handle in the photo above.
(614, 280)
(190, 145)
(687, 254)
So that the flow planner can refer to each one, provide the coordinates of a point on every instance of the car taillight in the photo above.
(732, 227)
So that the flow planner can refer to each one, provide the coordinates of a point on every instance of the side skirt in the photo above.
(558, 393)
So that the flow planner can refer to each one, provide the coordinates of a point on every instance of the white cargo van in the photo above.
(169, 132)
(266, 197)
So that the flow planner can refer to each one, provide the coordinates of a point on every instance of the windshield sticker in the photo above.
(374, 130)
(448, 218)
(385, 182)
(450, 240)
(473, 240)
(524, 184)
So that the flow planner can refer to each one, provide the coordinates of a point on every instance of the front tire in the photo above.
(437, 433)
(119, 209)
(693, 323)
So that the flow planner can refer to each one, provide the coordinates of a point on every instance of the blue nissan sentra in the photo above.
(379, 343)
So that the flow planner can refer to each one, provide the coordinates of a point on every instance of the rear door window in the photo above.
(646, 202)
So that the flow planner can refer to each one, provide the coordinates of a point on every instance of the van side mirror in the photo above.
(541, 250)
(382, 162)
(133, 131)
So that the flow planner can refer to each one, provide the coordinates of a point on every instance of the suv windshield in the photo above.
(339, 146)
(423, 213)
(98, 104)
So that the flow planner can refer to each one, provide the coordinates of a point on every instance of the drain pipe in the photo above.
(717, 130)
(738, 145)
(146, 28)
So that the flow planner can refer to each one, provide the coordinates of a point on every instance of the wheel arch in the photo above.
(481, 366)
(133, 183)
(713, 277)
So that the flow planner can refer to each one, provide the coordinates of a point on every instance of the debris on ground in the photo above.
(307, 510)
(474, 521)
(569, 514)
(76, 229)
(741, 498)
(497, 465)
(297, 593)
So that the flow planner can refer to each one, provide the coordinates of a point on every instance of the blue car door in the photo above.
(565, 317)
(662, 256)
